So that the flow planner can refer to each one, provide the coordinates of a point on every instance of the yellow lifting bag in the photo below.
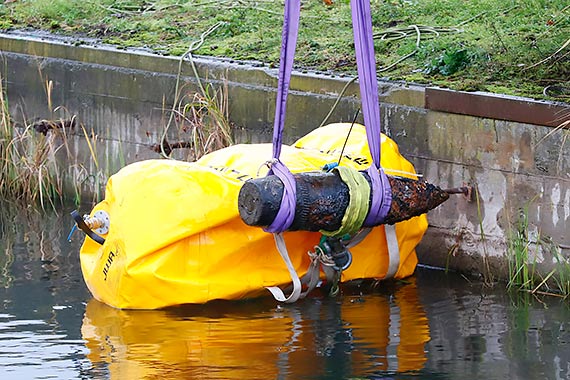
(176, 237)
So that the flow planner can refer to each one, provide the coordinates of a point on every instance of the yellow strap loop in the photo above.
(358, 204)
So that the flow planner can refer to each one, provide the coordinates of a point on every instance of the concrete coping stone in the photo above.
(478, 104)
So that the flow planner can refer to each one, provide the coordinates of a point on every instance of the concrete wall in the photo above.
(123, 98)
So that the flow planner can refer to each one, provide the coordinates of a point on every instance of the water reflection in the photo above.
(29, 236)
(435, 325)
(317, 338)
(489, 333)
(41, 297)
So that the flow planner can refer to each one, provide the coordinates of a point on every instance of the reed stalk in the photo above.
(201, 115)
(522, 252)
(36, 167)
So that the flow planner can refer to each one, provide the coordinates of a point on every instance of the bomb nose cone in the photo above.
(412, 198)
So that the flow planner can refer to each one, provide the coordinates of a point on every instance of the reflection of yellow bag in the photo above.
(253, 340)
(176, 237)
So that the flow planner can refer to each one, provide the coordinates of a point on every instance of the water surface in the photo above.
(432, 326)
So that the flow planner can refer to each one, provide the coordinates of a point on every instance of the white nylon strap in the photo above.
(393, 250)
(312, 278)
(275, 290)
(391, 242)
(313, 274)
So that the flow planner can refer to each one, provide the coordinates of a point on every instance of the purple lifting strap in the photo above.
(286, 211)
(366, 64)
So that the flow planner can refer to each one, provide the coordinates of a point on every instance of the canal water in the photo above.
(432, 326)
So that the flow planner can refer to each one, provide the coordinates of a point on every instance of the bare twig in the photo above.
(553, 55)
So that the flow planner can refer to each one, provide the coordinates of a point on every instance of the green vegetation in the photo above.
(27, 172)
(36, 161)
(521, 269)
(203, 115)
(518, 47)
(524, 248)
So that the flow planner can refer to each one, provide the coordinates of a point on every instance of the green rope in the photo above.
(359, 199)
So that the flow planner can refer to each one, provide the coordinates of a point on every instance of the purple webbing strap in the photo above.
(286, 211)
(366, 64)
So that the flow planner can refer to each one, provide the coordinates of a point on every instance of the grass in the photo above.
(202, 115)
(521, 270)
(36, 161)
(522, 253)
(28, 171)
(38, 164)
(517, 47)
(201, 121)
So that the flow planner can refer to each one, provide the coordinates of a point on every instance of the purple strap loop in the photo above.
(382, 191)
(286, 212)
(366, 65)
